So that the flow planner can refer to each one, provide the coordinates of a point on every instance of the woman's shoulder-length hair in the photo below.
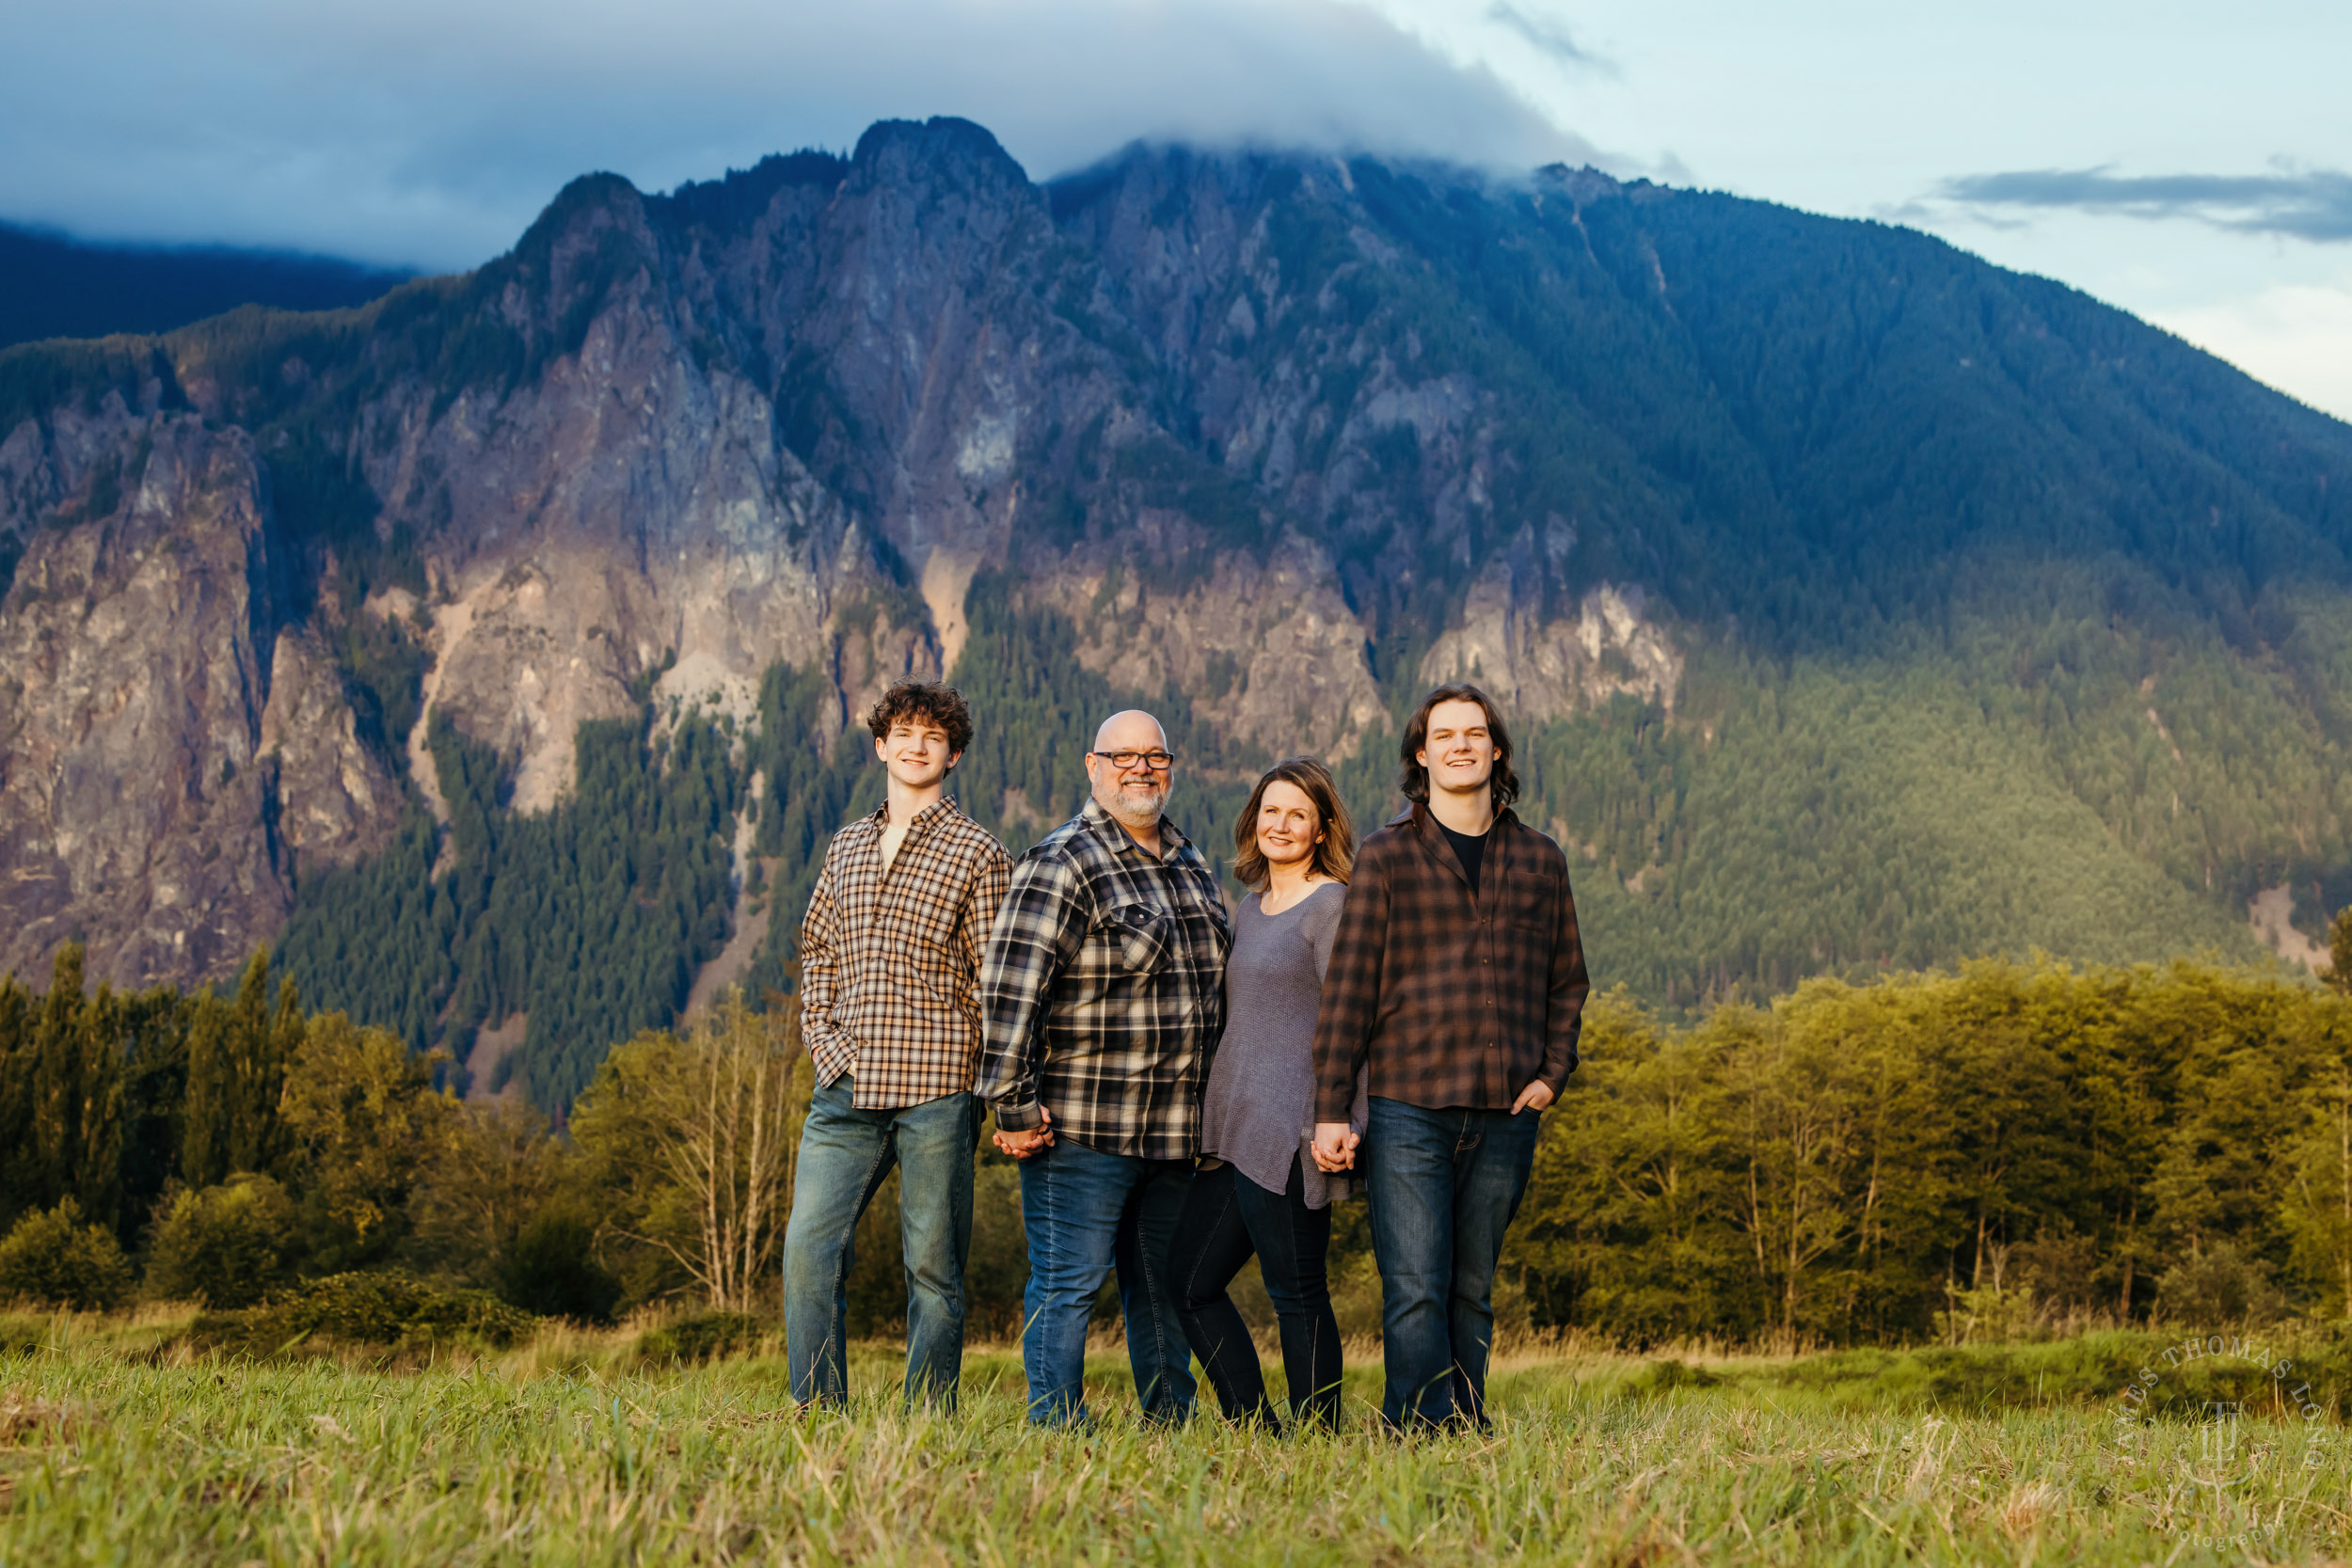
(1334, 854)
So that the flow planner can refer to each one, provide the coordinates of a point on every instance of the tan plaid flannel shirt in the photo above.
(890, 960)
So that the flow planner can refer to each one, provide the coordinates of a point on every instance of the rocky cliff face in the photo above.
(139, 798)
(786, 418)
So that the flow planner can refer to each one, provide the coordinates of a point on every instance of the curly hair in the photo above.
(1335, 853)
(936, 701)
(1414, 781)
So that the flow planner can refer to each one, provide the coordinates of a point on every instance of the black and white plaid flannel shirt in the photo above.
(1104, 989)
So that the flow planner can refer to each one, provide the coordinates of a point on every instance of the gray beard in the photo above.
(1127, 816)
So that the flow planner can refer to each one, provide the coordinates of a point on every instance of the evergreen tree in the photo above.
(76, 1096)
(154, 1032)
(2338, 974)
(211, 1093)
(237, 1055)
(20, 1176)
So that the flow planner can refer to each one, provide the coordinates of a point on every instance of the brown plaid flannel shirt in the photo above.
(890, 960)
(1457, 1001)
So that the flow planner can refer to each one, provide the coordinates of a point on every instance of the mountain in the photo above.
(53, 286)
(487, 646)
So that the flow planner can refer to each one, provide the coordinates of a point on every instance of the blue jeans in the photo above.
(1443, 1185)
(845, 1154)
(1087, 1212)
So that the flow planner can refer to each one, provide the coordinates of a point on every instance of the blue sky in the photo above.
(2188, 163)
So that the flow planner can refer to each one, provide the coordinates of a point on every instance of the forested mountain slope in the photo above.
(1862, 603)
(52, 286)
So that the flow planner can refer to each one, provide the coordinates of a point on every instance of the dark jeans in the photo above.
(1228, 1217)
(1443, 1185)
(845, 1153)
(1086, 1213)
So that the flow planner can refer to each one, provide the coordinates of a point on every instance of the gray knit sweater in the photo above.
(1258, 1114)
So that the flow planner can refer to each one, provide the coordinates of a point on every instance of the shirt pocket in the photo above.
(1145, 935)
(1530, 913)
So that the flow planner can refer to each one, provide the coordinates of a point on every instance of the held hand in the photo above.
(1024, 1144)
(1532, 1098)
(1335, 1147)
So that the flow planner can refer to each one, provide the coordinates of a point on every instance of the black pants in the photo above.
(1227, 1216)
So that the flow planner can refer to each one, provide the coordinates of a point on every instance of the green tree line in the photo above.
(1906, 1158)
(226, 1149)
(1929, 1155)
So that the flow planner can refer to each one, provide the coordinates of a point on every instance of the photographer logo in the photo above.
(2255, 1425)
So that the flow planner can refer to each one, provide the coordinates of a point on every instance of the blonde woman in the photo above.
(1258, 1190)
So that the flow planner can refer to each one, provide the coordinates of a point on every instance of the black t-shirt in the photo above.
(1470, 849)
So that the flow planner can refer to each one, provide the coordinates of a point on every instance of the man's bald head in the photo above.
(1131, 729)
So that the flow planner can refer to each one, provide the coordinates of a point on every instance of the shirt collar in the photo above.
(880, 816)
(1423, 821)
(1107, 828)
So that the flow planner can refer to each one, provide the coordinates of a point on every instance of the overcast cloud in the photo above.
(2316, 205)
(430, 134)
(1547, 35)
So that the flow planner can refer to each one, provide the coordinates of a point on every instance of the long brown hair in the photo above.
(1414, 782)
(1335, 849)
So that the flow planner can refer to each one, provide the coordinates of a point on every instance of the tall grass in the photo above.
(115, 1445)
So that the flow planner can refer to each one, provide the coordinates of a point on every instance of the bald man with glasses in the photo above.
(1102, 995)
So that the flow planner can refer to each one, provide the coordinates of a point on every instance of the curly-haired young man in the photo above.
(890, 961)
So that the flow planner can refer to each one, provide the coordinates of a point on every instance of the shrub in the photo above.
(707, 1337)
(2219, 1285)
(386, 1309)
(57, 1260)
(1990, 1314)
(1663, 1377)
(554, 1273)
(2061, 1268)
(225, 1247)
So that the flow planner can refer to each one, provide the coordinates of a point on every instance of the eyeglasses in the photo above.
(1159, 762)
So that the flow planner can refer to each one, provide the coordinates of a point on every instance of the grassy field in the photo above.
(115, 1447)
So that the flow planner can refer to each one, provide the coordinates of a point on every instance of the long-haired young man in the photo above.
(1457, 982)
